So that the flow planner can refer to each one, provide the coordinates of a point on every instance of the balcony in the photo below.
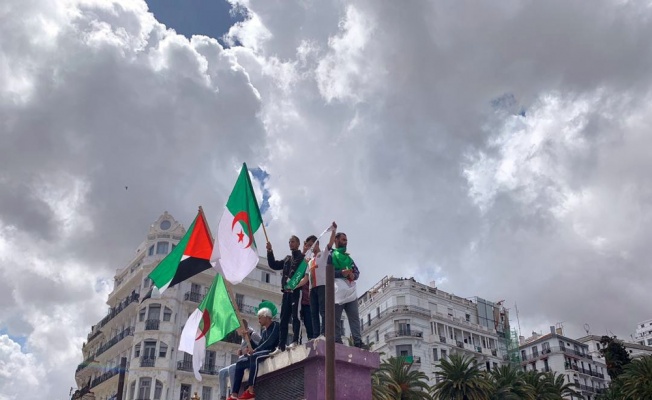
(195, 297)
(85, 363)
(152, 324)
(404, 333)
(398, 310)
(442, 339)
(586, 388)
(113, 312)
(127, 332)
(247, 309)
(149, 362)
(105, 376)
(184, 366)
(208, 370)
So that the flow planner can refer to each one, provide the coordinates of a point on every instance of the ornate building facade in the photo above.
(147, 333)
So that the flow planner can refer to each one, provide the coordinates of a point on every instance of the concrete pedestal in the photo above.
(300, 373)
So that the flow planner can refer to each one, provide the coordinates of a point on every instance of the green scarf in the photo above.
(341, 259)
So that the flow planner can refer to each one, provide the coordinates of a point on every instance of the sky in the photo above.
(500, 150)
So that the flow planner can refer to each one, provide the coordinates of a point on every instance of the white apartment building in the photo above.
(570, 357)
(147, 334)
(402, 317)
(635, 350)
(643, 333)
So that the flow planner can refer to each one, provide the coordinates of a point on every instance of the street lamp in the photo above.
(195, 397)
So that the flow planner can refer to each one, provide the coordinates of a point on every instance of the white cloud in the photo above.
(377, 115)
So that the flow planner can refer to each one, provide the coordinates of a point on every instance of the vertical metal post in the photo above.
(330, 333)
(121, 378)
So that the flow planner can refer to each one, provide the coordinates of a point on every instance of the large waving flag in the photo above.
(190, 256)
(209, 323)
(235, 252)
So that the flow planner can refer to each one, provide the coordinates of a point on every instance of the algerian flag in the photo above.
(235, 253)
(190, 256)
(209, 323)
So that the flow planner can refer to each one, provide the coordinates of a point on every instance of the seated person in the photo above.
(260, 352)
(230, 370)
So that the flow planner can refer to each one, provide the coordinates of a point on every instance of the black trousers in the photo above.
(318, 310)
(289, 308)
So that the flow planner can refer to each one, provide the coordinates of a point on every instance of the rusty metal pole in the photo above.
(121, 378)
(330, 333)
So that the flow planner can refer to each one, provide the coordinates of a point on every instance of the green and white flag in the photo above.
(209, 323)
(235, 253)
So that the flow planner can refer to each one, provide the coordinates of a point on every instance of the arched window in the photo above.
(162, 247)
(144, 388)
(132, 390)
(158, 390)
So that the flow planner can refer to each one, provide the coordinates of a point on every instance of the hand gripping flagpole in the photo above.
(227, 285)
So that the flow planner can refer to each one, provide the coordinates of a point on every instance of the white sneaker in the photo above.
(275, 352)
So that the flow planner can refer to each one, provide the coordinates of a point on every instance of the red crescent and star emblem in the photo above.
(206, 317)
(244, 217)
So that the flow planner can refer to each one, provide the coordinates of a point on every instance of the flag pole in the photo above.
(227, 285)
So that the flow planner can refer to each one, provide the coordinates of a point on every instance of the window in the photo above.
(239, 300)
(369, 319)
(535, 351)
(403, 327)
(162, 350)
(150, 252)
(137, 351)
(162, 247)
(367, 342)
(184, 393)
(546, 368)
(158, 390)
(167, 314)
(545, 346)
(141, 314)
(149, 351)
(444, 354)
(264, 276)
(403, 350)
(450, 312)
(468, 317)
(649, 342)
(209, 360)
(195, 288)
(144, 387)
(377, 312)
(523, 356)
(147, 282)
(435, 354)
(154, 312)
(206, 393)
(377, 336)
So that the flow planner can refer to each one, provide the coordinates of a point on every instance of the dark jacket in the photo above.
(269, 338)
(289, 264)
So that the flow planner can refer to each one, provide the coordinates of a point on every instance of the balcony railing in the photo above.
(565, 350)
(205, 369)
(404, 333)
(113, 312)
(85, 363)
(148, 362)
(105, 376)
(184, 366)
(152, 324)
(247, 309)
(194, 296)
(398, 310)
(127, 332)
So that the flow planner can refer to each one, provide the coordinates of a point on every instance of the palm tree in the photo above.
(396, 380)
(559, 386)
(462, 380)
(508, 384)
(636, 379)
(540, 386)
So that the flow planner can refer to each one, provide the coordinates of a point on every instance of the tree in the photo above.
(462, 380)
(540, 387)
(395, 379)
(615, 355)
(560, 387)
(636, 379)
(508, 384)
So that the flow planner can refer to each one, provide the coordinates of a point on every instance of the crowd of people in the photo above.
(304, 300)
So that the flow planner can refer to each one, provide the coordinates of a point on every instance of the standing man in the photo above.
(346, 299)
(260, 352)
(230, 370)
(290, 301)
(316, 273)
